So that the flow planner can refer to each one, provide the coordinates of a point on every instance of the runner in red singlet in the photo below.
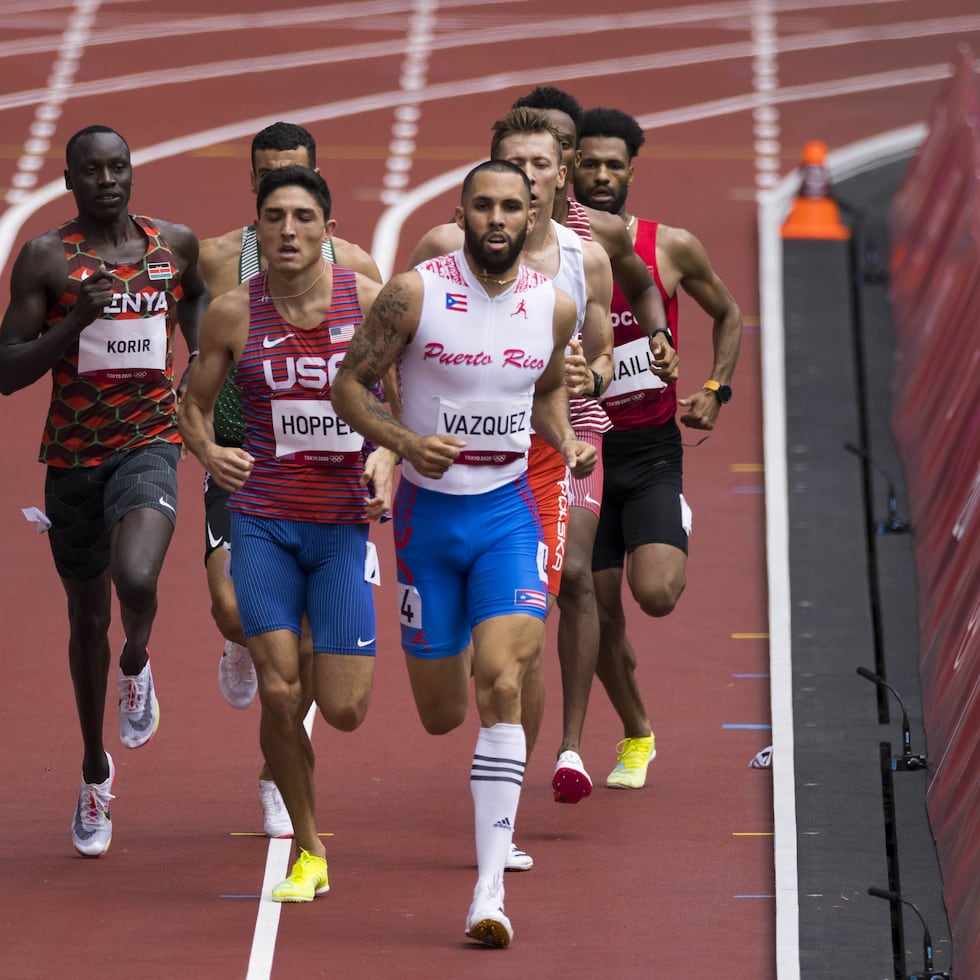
(645, 520)
(578, 626)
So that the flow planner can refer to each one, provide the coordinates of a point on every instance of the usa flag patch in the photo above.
(339, 335)
(530, 597)
(160, 270)
(456, 301)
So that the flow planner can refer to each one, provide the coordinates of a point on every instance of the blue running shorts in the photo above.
(465, 558)
(282, 569)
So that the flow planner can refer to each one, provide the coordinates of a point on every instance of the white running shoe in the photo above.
(486, 922)
(518, 860)
(91, 826)
(236, 675)
(570, 782)
(139, 710)
(275, 816)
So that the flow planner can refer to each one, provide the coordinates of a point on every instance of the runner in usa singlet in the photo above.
(229, 422)
(308, 463)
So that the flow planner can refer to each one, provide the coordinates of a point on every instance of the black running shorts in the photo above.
(642, 495)
(84, 503)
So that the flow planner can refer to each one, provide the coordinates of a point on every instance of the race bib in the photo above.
(495, 433)
(309, 432)
(123, 350)
(632, 371)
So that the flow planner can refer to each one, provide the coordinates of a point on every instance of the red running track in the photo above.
(676, 877)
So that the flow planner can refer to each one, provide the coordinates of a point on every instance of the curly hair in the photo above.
(616, 124)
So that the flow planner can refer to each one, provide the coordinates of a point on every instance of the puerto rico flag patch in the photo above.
(160, 270)
(456, 301)
(530, 598)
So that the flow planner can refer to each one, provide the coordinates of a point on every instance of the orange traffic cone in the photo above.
(814, 213)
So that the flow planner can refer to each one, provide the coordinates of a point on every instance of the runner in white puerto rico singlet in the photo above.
(469, 544)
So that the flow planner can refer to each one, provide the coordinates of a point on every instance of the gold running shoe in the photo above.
(635, 754)
(308, 879)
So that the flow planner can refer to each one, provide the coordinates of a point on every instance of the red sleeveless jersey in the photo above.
(639, 407)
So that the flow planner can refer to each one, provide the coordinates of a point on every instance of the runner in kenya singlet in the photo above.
(113, 389)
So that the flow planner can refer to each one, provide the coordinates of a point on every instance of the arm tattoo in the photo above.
(374, 347)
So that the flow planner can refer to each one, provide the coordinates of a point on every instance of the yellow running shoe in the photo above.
(635, 754)
(308, 879)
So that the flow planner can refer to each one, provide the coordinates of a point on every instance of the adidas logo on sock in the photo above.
(504, 824)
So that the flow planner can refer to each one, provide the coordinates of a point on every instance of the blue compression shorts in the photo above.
(282, 569)
(465, 558)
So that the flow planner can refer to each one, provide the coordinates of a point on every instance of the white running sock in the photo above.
(495, 782)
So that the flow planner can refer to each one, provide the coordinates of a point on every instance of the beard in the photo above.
(494, 262)
(614, 205)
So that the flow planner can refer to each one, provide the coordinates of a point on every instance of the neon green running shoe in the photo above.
(308, 879)
(635, 754)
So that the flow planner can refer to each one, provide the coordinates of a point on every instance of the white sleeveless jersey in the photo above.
(571, 270)
(471, 368)
(585, 413)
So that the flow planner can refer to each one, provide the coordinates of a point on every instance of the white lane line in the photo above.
(765, 81)
(774, 205)
(771, 213)
(387, 232)
(267, 919)
(413, 77)
(187, 74)
(55, 93)
(387, 235)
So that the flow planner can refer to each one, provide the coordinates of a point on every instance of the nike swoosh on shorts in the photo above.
(215, 542)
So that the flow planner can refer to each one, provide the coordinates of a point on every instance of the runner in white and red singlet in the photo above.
(526, 138)
(479, 342)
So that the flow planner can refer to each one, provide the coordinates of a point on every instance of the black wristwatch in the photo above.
(597, 382)
(722, 392)
(666, 332)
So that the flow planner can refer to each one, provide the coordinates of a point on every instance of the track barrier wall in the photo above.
(934, 225)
